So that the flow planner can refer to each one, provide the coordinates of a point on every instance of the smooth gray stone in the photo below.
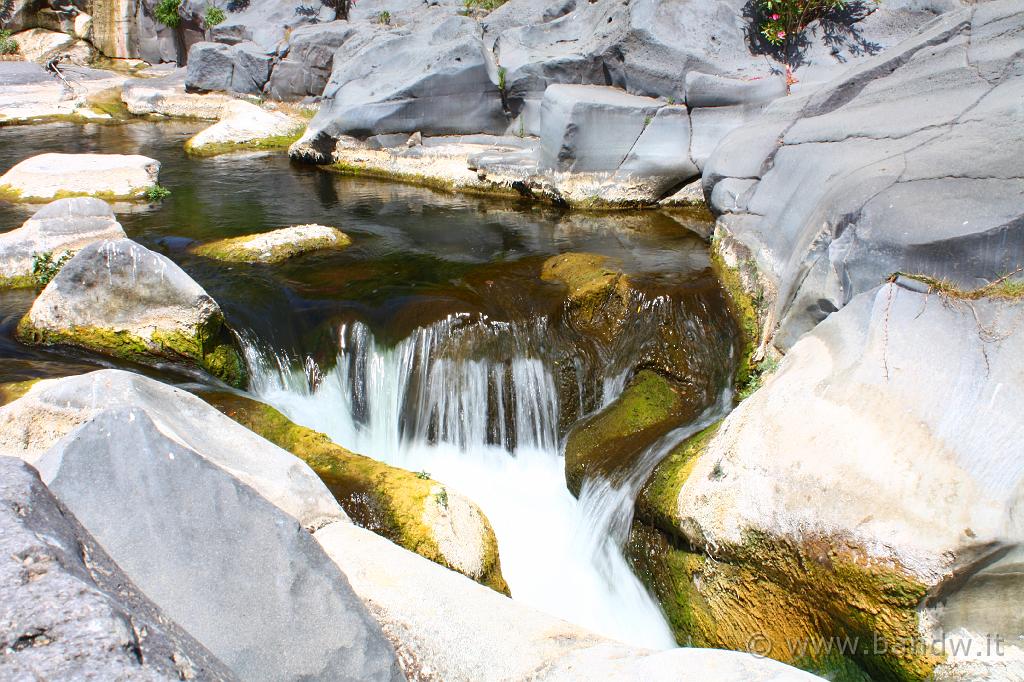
(243, 68)
(662, 152)
(309, 58)
(67, 611)
(706, 90)
(239, 574)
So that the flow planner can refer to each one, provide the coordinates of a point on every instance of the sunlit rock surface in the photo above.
(108, 176)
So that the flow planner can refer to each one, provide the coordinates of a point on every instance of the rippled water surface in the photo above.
(430, 343)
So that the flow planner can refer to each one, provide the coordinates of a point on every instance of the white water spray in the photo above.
(488, 428)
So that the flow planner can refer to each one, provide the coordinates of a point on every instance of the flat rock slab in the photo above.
(246, 125)
(243, 577)
(28, 92)
(62, 617)
(65, 225)
(166, 96)
(275, 246)
(47, 176)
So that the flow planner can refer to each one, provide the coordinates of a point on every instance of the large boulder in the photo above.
(166, 96)
(434, 78)
(850, 497)
(275, 246)
(67, 611)
(898, 182)
(119, 298)
(409, 509)
(63, 226)
(467, 633)
(306, 62)
(243, 68)
(108, 176)
(246, 126)
(219, 525)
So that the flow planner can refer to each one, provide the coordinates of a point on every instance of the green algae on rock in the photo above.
(118, 298)
(106, 176)
(598, 290)
(275, 246)
(409, 509)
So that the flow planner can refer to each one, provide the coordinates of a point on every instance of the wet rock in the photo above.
(246, 126)
(121, 299)
(55, 408)
(243, 577)
(409, 509)
(437, 79)
(114, 176)
(166, 96)
(62, 226)
(902, 187)
(243, 68)
(598, 292)
(67, 611)
(275, 246)
(608, 445)
(466, 632)
(914, 538)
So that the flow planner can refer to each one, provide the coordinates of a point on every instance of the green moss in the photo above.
(236, 249)
(744, 309)
(270, 143)
(12, 195)
(205, 350)
(659, 498)
(608, 443)
(385, 499)
(18, 282)
(12, 390)
(432, 182)
(598, 292)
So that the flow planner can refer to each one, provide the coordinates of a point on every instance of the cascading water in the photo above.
(475, 403)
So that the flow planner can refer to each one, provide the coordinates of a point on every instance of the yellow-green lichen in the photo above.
(269, 143)
(598, 292)
(239, 250)
(745, 308)
(18, 282)
(387, 500)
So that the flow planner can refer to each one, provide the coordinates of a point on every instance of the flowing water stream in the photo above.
(432, 344)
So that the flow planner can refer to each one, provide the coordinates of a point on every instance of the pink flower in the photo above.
(775, 17)
(781, 34)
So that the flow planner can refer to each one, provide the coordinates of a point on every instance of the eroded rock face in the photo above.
(307, 60)
(243, 125)
(409, 509)
(63, 226)
(246, 579)
(275, 246)
(898, 182)
(853, 478)
(47, 176)
(67, 611)
(243, 68)
(119, 298)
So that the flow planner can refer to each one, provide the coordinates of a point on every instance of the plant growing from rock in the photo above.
(7, 44)
(45, 268)
(782, 22)
(157, 193)
(384, 18)
(214, 15)
(167, 13)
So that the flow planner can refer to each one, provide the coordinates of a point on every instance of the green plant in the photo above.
(442, 498)
(44, 268)
(157, 193)
(757, 377)
(781, 22)
(7, 44)
(167, 13)
(384, 18)
(422, 475)
(485, 5)
(502, 71)
(214, 15)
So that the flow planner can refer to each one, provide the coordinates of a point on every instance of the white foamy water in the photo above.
(489, 430)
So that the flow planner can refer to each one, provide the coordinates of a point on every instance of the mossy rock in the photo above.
(269, 143)
(392, 502)
(207, 349)
(12, 390)
(818, 604)
(608, 443)
(598, 292)
(275, 246)
(746, 306)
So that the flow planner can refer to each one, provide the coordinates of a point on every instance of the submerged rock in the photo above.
(275, 246)
(67, 611)
(246, 126)
(410, 509)
(598, 292)
(121, 299)
(850, 497)
(224, 513)
(60, 227)
(108, 176)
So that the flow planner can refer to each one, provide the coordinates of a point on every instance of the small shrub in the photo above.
(422, 475)
(157, 193)
(485, 5)
(442, 498)
(214, 15)
(166, 12)
(384, 18)
(7, 44)
(757, 377)
(44, 268)
(781, 22)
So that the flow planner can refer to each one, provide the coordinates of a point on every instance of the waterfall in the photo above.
(475, 403)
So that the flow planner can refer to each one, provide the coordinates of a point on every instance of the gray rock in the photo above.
(309, 57)
(662, 152)
(243, 68)
(67, 611)
(706, 90)
(119, 298)
(266, 23)
(59, 227)
(879, 171)
(240, 575)
(436, 79)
